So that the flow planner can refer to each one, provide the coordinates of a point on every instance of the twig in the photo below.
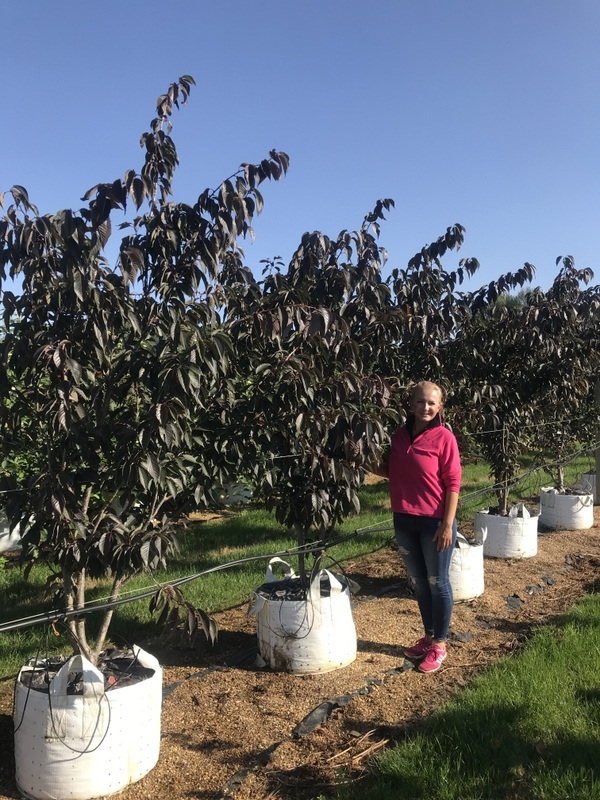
(358, 741)
(372, 749)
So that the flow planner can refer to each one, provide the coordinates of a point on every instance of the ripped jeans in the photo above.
(427, 570)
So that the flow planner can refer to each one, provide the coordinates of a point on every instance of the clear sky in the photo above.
(481, 112)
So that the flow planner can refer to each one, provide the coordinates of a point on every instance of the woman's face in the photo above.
(425, 404)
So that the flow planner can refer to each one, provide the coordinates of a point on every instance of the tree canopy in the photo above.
(132, 390)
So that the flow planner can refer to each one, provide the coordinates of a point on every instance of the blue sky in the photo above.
(479, 112)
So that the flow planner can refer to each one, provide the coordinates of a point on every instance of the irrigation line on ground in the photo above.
(525, 475)
(552, 423)
(53, 616)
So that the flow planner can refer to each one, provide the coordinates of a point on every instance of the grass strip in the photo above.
(527, 728)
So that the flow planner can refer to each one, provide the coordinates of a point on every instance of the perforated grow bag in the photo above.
(507, 537)
(466, 569)
(565, 512)
(87, 745)
(589, 480)
(309, 635)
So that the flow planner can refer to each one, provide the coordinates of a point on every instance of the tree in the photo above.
(326, 348)
(109, 374)
(310, 412)
(515, 364)
(568, 372)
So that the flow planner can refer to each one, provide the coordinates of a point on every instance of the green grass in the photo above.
(530, 728)
(527, 728)
(249, 533)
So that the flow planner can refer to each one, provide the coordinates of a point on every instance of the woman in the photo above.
(424, 472)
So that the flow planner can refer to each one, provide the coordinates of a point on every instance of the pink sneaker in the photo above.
(433, 660)
(419, 649)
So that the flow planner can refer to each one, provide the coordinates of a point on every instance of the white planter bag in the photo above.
(83, 746)
(508, 537)
(565, 512)
(9, 539)
(466, 569)
(306, 636)
(588, 481)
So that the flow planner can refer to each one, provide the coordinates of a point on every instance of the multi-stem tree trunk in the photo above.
(75, 584)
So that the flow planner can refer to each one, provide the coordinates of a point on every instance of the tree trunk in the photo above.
(597, 398)
(561, 478)
(106, 620)
(301, 539)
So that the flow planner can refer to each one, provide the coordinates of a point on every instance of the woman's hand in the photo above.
(443, 535)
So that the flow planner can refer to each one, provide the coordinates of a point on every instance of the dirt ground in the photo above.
(230, 729)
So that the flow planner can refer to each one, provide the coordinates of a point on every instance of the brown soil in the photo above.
(228, 726)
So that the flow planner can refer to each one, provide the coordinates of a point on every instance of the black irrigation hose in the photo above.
(521, 478)
(52, 616)
(88, 748)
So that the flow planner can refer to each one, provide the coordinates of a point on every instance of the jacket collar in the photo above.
(436, 422)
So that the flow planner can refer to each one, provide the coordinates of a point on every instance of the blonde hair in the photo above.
(426, 385)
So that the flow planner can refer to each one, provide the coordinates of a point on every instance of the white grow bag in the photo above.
(466, 569)
(306, 636)
(10, 538)
(78, 747)
(565, 512)
(508, 537)
(588, 479)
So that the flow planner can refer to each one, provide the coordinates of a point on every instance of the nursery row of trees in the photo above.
(131, 391)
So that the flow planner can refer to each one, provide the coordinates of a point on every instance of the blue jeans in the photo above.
(427, 570)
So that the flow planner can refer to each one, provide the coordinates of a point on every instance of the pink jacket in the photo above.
(421, 472)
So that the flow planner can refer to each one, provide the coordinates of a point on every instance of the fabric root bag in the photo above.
(566, 512)
(467, 569)
(304, 632)
(89, 744)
